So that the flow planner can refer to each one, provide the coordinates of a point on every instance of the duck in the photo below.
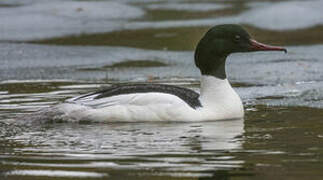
(149, 102)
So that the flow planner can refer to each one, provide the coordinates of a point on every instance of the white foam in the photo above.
(84, 10)
(188, 6)
(18, 2)
(55, 173)
(276, 16)
(285, 15)
(46, 19)
(57, 18)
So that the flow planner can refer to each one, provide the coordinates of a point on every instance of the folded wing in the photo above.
(138, 94)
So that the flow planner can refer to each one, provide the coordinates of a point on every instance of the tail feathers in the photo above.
(66, 112)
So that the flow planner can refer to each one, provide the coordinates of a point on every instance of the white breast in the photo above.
(219, 100)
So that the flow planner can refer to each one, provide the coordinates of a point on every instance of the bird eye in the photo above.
(237, 38)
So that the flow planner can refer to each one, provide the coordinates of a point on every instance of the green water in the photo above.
(281, 136)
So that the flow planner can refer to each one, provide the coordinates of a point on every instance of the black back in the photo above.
(187, 95)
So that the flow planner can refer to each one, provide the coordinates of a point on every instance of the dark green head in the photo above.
(219, 42)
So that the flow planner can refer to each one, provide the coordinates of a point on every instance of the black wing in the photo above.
(187, 95)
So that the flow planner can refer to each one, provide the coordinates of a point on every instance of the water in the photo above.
(152, 41)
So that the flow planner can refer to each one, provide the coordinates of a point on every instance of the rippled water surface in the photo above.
(54, 50)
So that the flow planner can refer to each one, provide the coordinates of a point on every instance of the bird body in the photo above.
(156, 102)
(217, 101)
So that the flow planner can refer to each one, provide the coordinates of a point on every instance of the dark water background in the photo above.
(51, 50)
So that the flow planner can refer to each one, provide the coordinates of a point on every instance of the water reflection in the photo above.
(182, 148)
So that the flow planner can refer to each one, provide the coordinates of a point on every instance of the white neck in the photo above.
(218, 96)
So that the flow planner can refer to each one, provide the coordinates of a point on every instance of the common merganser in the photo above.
(157, 102)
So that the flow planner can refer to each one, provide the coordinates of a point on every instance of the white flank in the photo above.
(219, 101)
